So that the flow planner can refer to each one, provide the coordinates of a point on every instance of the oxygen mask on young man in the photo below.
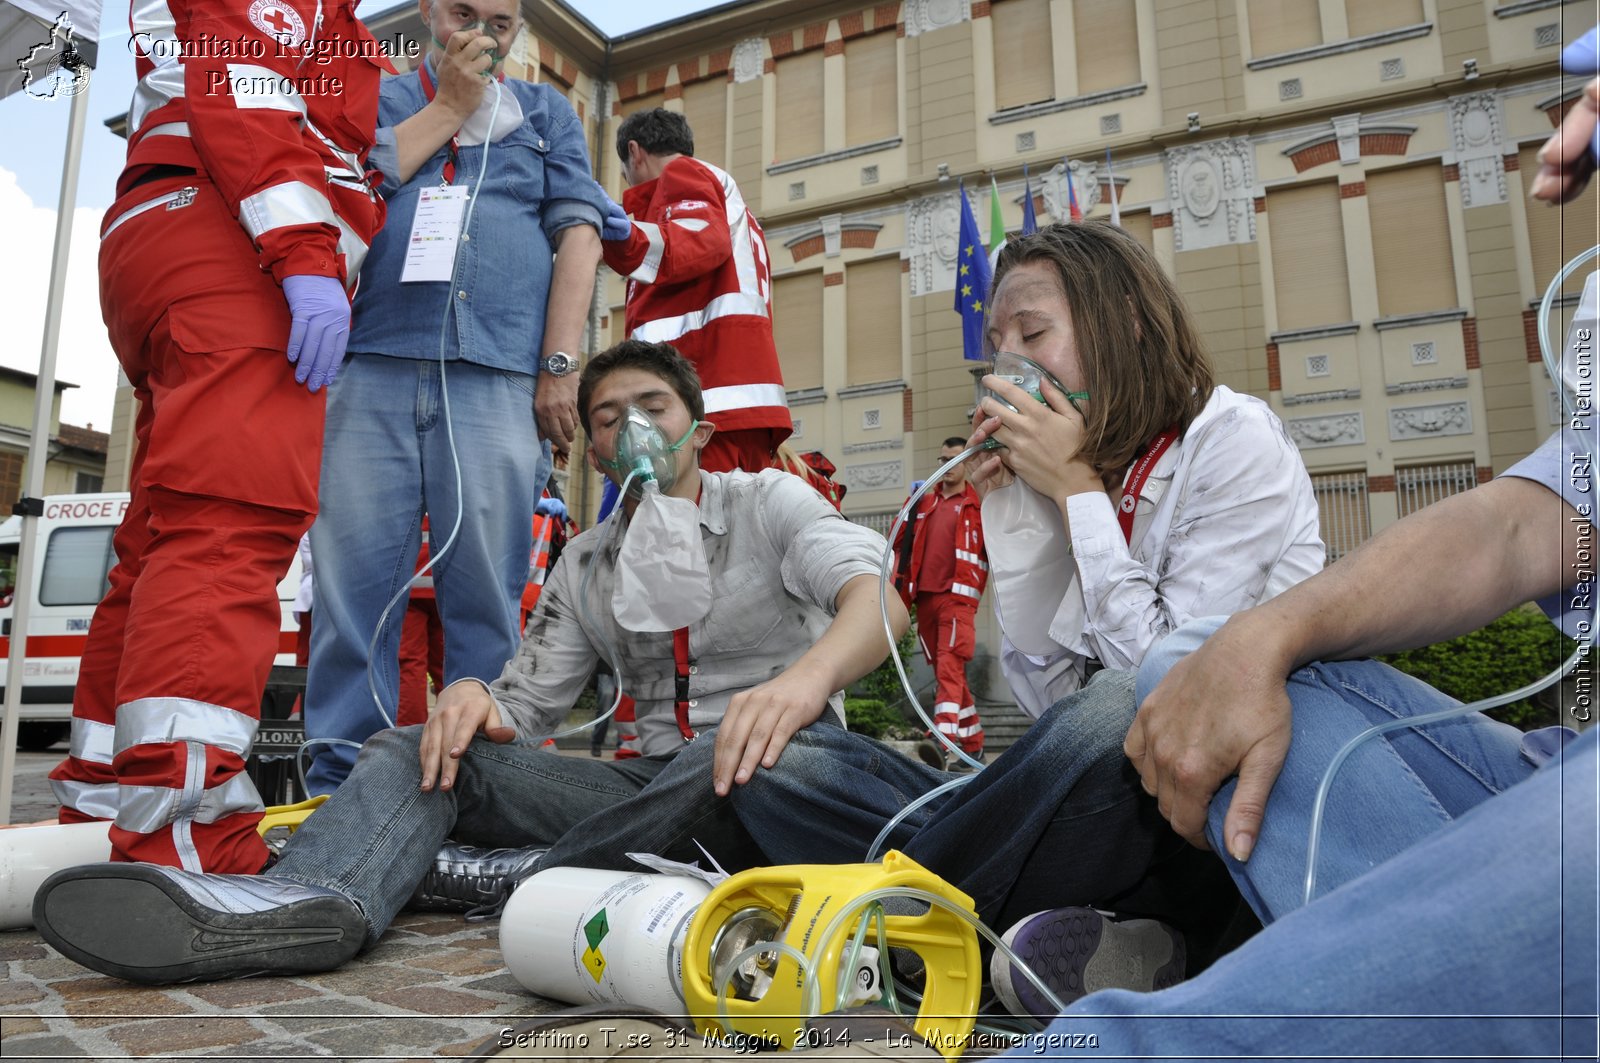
(663, 581)
(1030, 557)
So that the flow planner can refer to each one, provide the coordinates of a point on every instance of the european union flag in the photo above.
(972, 283)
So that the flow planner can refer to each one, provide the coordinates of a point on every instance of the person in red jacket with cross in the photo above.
(949, 570)
(698, 278)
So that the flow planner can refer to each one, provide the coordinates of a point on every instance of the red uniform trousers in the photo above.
(421, 659)
(224, 482)
(948, 637)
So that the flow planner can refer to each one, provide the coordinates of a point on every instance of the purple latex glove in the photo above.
(319, 328)
(1582, 57)
(616, 224)
(551, 507)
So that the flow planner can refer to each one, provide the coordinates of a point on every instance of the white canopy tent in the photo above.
(33, 42)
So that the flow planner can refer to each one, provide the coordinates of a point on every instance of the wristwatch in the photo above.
(558, 364)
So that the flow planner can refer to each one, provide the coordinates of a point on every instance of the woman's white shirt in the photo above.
(1226, 519)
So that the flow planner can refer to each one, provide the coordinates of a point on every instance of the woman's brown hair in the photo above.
(1143, 364)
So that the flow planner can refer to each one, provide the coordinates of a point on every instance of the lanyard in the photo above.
(1138, 475)
(429, 91)
(680, 658)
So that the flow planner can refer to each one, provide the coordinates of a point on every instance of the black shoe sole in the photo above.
(133, 922)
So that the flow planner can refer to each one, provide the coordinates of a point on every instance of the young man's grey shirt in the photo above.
(778, 556)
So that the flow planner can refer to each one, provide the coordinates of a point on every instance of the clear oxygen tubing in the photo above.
(811, 992)
(455, 461)
(1553, 366)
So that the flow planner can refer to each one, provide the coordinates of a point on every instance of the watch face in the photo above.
(560, 364)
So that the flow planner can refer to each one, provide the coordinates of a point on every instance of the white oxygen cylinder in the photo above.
(585, 936)
(29, 855)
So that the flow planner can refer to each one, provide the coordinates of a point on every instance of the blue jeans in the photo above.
(378, 834)
(1477, 942)
(385, 462)
(1058, 819)
(1393, 792)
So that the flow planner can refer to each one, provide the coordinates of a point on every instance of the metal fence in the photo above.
(1423, 485)
(878, 522)
(1345, 517)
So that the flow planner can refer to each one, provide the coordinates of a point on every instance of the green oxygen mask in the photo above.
(1028, 375)
(483, 28)
(644, 451)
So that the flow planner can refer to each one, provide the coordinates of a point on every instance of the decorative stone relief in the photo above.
(1347, 127)
(875, 474)
(830, 234)
(1335, 430)
(933, 231)
(1085, 182)
(747, 60)
(1424, 422)
(1477, 136)
(1411, 387)
(1210, 187)
(925, 16)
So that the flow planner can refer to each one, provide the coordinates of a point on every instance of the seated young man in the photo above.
(793, 619)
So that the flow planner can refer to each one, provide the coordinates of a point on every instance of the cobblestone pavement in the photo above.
(434, 987)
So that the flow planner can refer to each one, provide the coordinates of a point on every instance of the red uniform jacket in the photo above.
(972, 563)
(275, 102)
(699, 279)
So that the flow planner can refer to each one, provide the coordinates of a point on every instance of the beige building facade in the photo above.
(1339, 188)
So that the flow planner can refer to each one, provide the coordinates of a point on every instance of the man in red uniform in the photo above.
(698, 278)
(948, 572)
(241, 219)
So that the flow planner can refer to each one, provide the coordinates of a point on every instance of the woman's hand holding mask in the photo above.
(1044, 441)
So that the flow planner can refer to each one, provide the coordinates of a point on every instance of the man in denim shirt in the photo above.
(436, 406)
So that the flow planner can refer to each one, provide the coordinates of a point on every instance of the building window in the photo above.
(10, 477)
(872, 321)
(1309, 273)
(1107, 35)
(705, 105)
(1423, 485)
(797, 329)
(1140, 226)
(1024, 63)
(871, 85)
(1557, 233)
(1364, 17)
(1411, 240)
(799, 112)
(1283, 26)
(1345, 519)
(87, 483)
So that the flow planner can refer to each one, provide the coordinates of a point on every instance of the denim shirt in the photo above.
(538, 184)
(778, 556)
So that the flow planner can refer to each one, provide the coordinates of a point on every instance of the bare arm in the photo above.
(1448, 569)
(555, 401)
(760, 721)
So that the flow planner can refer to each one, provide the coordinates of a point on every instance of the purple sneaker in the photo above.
(1076, 951)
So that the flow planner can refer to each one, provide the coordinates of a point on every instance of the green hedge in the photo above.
(871, 717)
(1511, 652)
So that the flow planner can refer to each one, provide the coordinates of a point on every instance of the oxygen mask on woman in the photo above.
(1028, 375)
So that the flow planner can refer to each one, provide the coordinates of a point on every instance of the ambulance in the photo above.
(71, 565)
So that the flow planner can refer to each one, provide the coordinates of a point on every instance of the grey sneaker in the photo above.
(1077, 951)
(153, 924)
(472, 879)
